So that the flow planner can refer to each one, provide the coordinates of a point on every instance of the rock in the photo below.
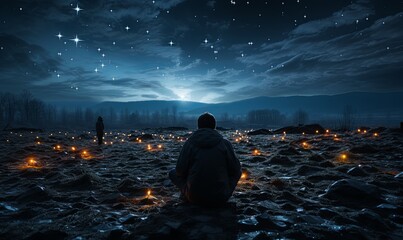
(316, 158)
(35, 194)
(130, 185)
(327, 213)
(116, 234)
(305, 170)
(261, 131)
(364, 149)
(369, 219)
(49, 234)
(257, 159)
(399, 175)
(265, 221)
(353, 193)
(357, 171)
(289, 151)
(327, 164)
(85, 181)
(281, 160)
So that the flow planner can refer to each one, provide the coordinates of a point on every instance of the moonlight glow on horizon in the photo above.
(206, 51)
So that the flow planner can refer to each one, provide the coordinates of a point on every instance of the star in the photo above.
(99, 49)
(205, 41)
(102, 65)
(127, 28)
(103, 55)
(96, 70)
(76, 40)
(59, 35)
(58, 75)
(171, 43)
(77, 9)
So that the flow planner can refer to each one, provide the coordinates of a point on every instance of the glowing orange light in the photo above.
(343, 156)
(365, 131)
(256, 152)
(149, 193)
(327, 131)
(149, 147)
(139, 140)
(376, 135)
(159, 146)
(317, 131)
(32, 162)
(243, 176)
(359, 130)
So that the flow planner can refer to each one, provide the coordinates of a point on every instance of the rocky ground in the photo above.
(330, 185)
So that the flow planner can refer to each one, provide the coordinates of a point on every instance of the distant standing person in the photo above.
(100, 130)
(207, 170)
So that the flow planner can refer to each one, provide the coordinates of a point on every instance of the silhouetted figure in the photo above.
(100, 130)
(207, 170)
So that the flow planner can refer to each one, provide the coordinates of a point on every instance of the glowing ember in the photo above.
(256, 152)
(148, 193)
(365, 131)
(149, 147)
(376, 135)
(244, 175)
(85, 155)
(73, 149)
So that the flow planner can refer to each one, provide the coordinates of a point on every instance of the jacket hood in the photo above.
(205, 138)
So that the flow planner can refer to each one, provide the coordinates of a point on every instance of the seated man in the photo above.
(207, 170)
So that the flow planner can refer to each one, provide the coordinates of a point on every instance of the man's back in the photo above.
(209, 166)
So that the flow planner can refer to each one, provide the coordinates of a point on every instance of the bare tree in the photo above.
(347, 118)
(300, 117)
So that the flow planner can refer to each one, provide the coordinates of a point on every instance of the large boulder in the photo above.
(353, 193)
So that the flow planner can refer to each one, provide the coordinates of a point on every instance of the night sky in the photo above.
(207, 51)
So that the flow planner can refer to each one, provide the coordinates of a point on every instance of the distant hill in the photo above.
(362, 103)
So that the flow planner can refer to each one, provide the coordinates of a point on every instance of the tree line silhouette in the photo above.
(24, 109)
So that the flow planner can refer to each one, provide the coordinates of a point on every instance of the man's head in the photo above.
(206, 120)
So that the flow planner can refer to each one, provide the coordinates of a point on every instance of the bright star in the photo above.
(77, 9)
(96, 70)
(99, 49)
(171, 43)
(76, 40)
(127, 28)
(59, 35)
(58, 75)
(102, 65)
(205, 41)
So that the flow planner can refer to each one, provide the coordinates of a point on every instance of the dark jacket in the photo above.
(99, 126)
(208, 165)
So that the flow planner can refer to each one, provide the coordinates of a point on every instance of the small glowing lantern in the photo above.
(148, 193)
(359, 130)
(149, 147)
(256, 152)
(365, 131)
(244, 175)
